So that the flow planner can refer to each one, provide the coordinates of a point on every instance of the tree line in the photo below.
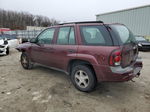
(19, 20)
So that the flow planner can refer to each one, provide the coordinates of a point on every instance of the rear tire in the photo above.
(25, 61)
(83, 78)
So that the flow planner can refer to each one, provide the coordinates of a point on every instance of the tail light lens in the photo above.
(115, 58)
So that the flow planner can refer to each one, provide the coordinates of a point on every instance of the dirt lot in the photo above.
(45, 90)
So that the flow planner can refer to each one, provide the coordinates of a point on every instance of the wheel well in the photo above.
(79, 62)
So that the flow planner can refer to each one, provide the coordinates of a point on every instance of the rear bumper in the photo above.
(136, 65)
(120, 74)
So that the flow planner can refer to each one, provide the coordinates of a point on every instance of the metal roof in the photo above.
(124, 10)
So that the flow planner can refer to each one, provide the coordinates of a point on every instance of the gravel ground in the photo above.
(45, 90)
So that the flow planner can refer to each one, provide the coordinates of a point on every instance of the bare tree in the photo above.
(19, 20)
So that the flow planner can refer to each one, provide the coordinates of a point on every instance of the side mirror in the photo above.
(33, 40)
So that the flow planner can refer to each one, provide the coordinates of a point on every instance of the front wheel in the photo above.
(83, 78)
(25, 62)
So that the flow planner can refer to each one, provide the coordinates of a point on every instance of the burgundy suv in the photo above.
(89, 52)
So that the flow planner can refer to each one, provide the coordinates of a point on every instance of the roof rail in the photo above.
(82, 22)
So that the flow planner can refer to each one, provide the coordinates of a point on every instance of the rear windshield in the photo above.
(95, 35)
(123, 33)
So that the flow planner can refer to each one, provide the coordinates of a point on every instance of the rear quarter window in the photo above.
(95, 35)
(123, 34)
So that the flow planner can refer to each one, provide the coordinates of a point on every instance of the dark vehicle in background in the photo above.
(143, 44)
(89, 52)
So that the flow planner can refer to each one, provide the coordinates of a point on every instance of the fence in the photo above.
(28, 34)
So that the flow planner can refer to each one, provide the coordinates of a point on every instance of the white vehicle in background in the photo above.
(13, 43)
(4, 48)
(7, 42)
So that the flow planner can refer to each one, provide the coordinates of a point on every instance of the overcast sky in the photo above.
(70, 10)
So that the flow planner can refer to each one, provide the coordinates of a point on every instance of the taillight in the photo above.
(115, 58)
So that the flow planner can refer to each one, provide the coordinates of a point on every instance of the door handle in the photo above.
(71, 51)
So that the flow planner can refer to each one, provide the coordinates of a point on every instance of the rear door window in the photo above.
(66, 36)
(95, 35)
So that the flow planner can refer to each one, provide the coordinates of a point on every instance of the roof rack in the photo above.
(82, 22)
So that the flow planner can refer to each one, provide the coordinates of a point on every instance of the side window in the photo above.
(66, 36)
(92, 35)
(46, 36)
(63, 36)
(72, 37)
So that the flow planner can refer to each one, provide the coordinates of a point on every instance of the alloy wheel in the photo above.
(81, 79)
